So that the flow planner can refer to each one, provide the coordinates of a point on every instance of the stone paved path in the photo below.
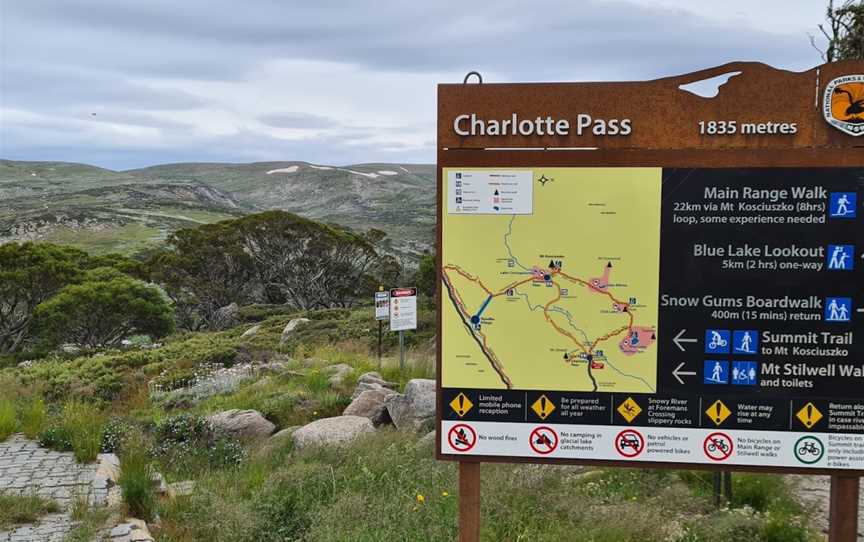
(26, 468)
(815, 491)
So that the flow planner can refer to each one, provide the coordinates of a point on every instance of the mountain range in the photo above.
(101, 210)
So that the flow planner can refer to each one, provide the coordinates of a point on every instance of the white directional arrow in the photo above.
(679, 339)
(678, 373)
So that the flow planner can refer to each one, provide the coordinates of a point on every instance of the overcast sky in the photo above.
(123, 84)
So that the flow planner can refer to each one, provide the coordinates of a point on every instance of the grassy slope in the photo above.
(387, 487)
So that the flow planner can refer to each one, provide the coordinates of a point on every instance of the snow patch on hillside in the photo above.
(388, 173)
(289, 169)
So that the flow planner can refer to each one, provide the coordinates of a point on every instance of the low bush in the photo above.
(115, 432)
(187, 445)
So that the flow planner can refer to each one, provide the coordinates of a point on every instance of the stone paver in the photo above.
(28, 469)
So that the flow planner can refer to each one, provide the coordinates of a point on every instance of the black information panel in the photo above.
(761, 290)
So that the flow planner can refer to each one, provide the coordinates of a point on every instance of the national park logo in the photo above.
(843, 104)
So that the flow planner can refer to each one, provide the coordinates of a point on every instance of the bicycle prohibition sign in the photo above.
(718, 446)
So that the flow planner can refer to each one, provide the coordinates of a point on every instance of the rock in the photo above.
(159, 481)
(108, 468)
(251, 332)
(339, 372)
(225, 317)
(131, 530)
(290, 327)
(426, 440)
(331, 431)
(284, 434)
(415, 410)
(371, 381)
(181, 489)
(247, 424)
(370, 404)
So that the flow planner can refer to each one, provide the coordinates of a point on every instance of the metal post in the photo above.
(727, 487)
(469, 501)
(380, 336)
(401, 351)
(717, 483)
(843, 515)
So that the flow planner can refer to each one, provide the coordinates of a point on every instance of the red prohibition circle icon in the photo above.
(629, 443)
(543, 440)
(462, 437)
(718, 446)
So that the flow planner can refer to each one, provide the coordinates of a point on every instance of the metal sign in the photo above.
(403, 309)
(382, 305)
(679, 285)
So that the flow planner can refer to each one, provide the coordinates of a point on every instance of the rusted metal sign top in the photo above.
(758, 107)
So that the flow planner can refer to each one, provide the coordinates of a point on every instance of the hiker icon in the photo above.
(838, 309)
(745, 342)
(716, 372)
(843, 204)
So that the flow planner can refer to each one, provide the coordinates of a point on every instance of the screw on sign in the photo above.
(543, 440)
(718, 446)
(629, 443)
(462, 437)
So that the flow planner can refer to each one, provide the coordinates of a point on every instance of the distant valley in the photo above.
(101, 210)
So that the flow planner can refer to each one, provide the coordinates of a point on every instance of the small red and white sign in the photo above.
(462, 437)
(718, 446)
(629, 443)
(543, 440)
(403, 309)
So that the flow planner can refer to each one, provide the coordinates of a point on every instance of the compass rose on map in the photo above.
(544, 179)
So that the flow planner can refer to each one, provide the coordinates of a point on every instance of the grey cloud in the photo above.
(535, 41)
(306, 121)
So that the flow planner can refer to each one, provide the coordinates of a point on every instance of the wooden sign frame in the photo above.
(665, 133)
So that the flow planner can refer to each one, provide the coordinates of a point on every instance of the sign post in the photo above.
(382, 312)
(403, 315)
(673, 287)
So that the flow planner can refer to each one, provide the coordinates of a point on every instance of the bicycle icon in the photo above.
(809, 449)
(718, 444)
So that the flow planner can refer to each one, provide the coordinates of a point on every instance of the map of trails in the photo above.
(551, 278)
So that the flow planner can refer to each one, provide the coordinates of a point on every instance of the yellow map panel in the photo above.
(562, 296)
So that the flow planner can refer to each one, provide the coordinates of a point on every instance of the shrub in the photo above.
(33, 415)
(113, 435)
(83, 423)
(187, 445)
(8, 419)
(136, 480)
(57, 438)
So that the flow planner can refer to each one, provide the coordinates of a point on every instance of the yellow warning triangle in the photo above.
(543, 407)
(809, 415)
(718, 412)
(629, 409)
(461, 404)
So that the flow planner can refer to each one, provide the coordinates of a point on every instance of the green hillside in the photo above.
(103, 210)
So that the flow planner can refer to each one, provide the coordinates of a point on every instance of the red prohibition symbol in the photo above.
(543, 440)
(629, 443)
(718, 446)
(462, 437)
